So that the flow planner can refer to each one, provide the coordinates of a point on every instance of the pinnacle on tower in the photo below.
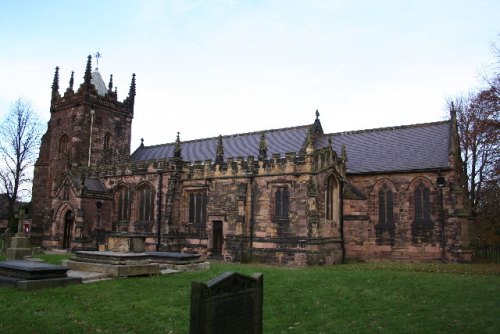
(178, 147)
(263, 147)
(55, 83)
(72, 80)
(219, 151)
(131, 95)
(88, 72)
(110, 85)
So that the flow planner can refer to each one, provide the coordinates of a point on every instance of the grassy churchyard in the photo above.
(353, 298)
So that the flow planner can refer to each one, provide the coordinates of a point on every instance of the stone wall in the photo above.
(364, 239)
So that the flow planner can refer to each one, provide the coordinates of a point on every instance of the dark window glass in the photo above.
(123, 204)
(281, 203)
(385, 206)
(145, 204)
(197, 208)
(422, 205)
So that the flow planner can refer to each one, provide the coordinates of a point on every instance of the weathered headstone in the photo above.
(20, 244)
(229, 303)
(6, 238)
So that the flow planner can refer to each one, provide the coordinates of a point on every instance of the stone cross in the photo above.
(20, 221)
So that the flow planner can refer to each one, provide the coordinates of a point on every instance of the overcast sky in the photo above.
(206, 68)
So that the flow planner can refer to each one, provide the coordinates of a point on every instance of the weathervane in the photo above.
(97, 55)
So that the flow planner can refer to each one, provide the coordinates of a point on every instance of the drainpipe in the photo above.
(160, 186)
(342, 242)
(440, 182)
(252, 218)
(92, 111)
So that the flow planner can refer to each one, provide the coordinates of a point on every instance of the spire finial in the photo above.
(142, 142)
(110, 85)
(88, 75)
(55, 83)
(219, 151)
(131, 92)
(343, 154)
(178, 147)
(72, 80)
(263, 147)
(97, 55)
(317, 114)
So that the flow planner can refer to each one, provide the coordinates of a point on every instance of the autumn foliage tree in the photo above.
(478, 120)
(20, 133)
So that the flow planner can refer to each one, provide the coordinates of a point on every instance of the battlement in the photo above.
(289, 163)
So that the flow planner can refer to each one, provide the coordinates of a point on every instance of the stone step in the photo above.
(88, 277)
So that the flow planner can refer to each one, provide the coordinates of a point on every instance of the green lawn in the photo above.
(355, 298)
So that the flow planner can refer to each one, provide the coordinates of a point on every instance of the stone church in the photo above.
(290, 196)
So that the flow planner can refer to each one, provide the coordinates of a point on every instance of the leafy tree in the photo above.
(20, 133)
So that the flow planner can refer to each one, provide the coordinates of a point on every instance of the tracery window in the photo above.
(197, 208)
(63, 145)
(332, 198)
(422, 205)
(281, 210)
(145, 203)
(122, 204)
(281, 200)
(107, 140)
(385, 206)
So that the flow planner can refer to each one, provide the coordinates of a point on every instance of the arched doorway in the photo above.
(68, 227)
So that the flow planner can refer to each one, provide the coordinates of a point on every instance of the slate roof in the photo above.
(402, 148)
(94, 185)
(412, 147)
(241, 145)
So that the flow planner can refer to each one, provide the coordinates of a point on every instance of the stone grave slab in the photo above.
(29, 275)
(115, 264)
(229, 303)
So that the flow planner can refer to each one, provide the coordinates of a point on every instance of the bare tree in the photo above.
(479, 131)
(20, 133)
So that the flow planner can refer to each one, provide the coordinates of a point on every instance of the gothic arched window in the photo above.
(332, 198)
(122, 204)
(281, 203)
(63, 145)
(197, 208)
(107, 140)
(145, 200)
(385, 206)
(422, 205)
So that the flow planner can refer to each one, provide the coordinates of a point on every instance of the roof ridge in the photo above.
(389, 128)
(231, 136)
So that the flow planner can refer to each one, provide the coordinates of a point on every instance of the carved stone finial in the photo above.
(317, 114)
(263, 147)
(110, 85)
(343, 154)
(72, 80)
(131, 95)
(178, 147)
(88, 71)
(55, 83)
(142, 142)
(219, 151)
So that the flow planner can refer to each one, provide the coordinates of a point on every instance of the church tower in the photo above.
(87, 127)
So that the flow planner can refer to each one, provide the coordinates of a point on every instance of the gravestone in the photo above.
(20, 244)
(5, 240)
(229, 303)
